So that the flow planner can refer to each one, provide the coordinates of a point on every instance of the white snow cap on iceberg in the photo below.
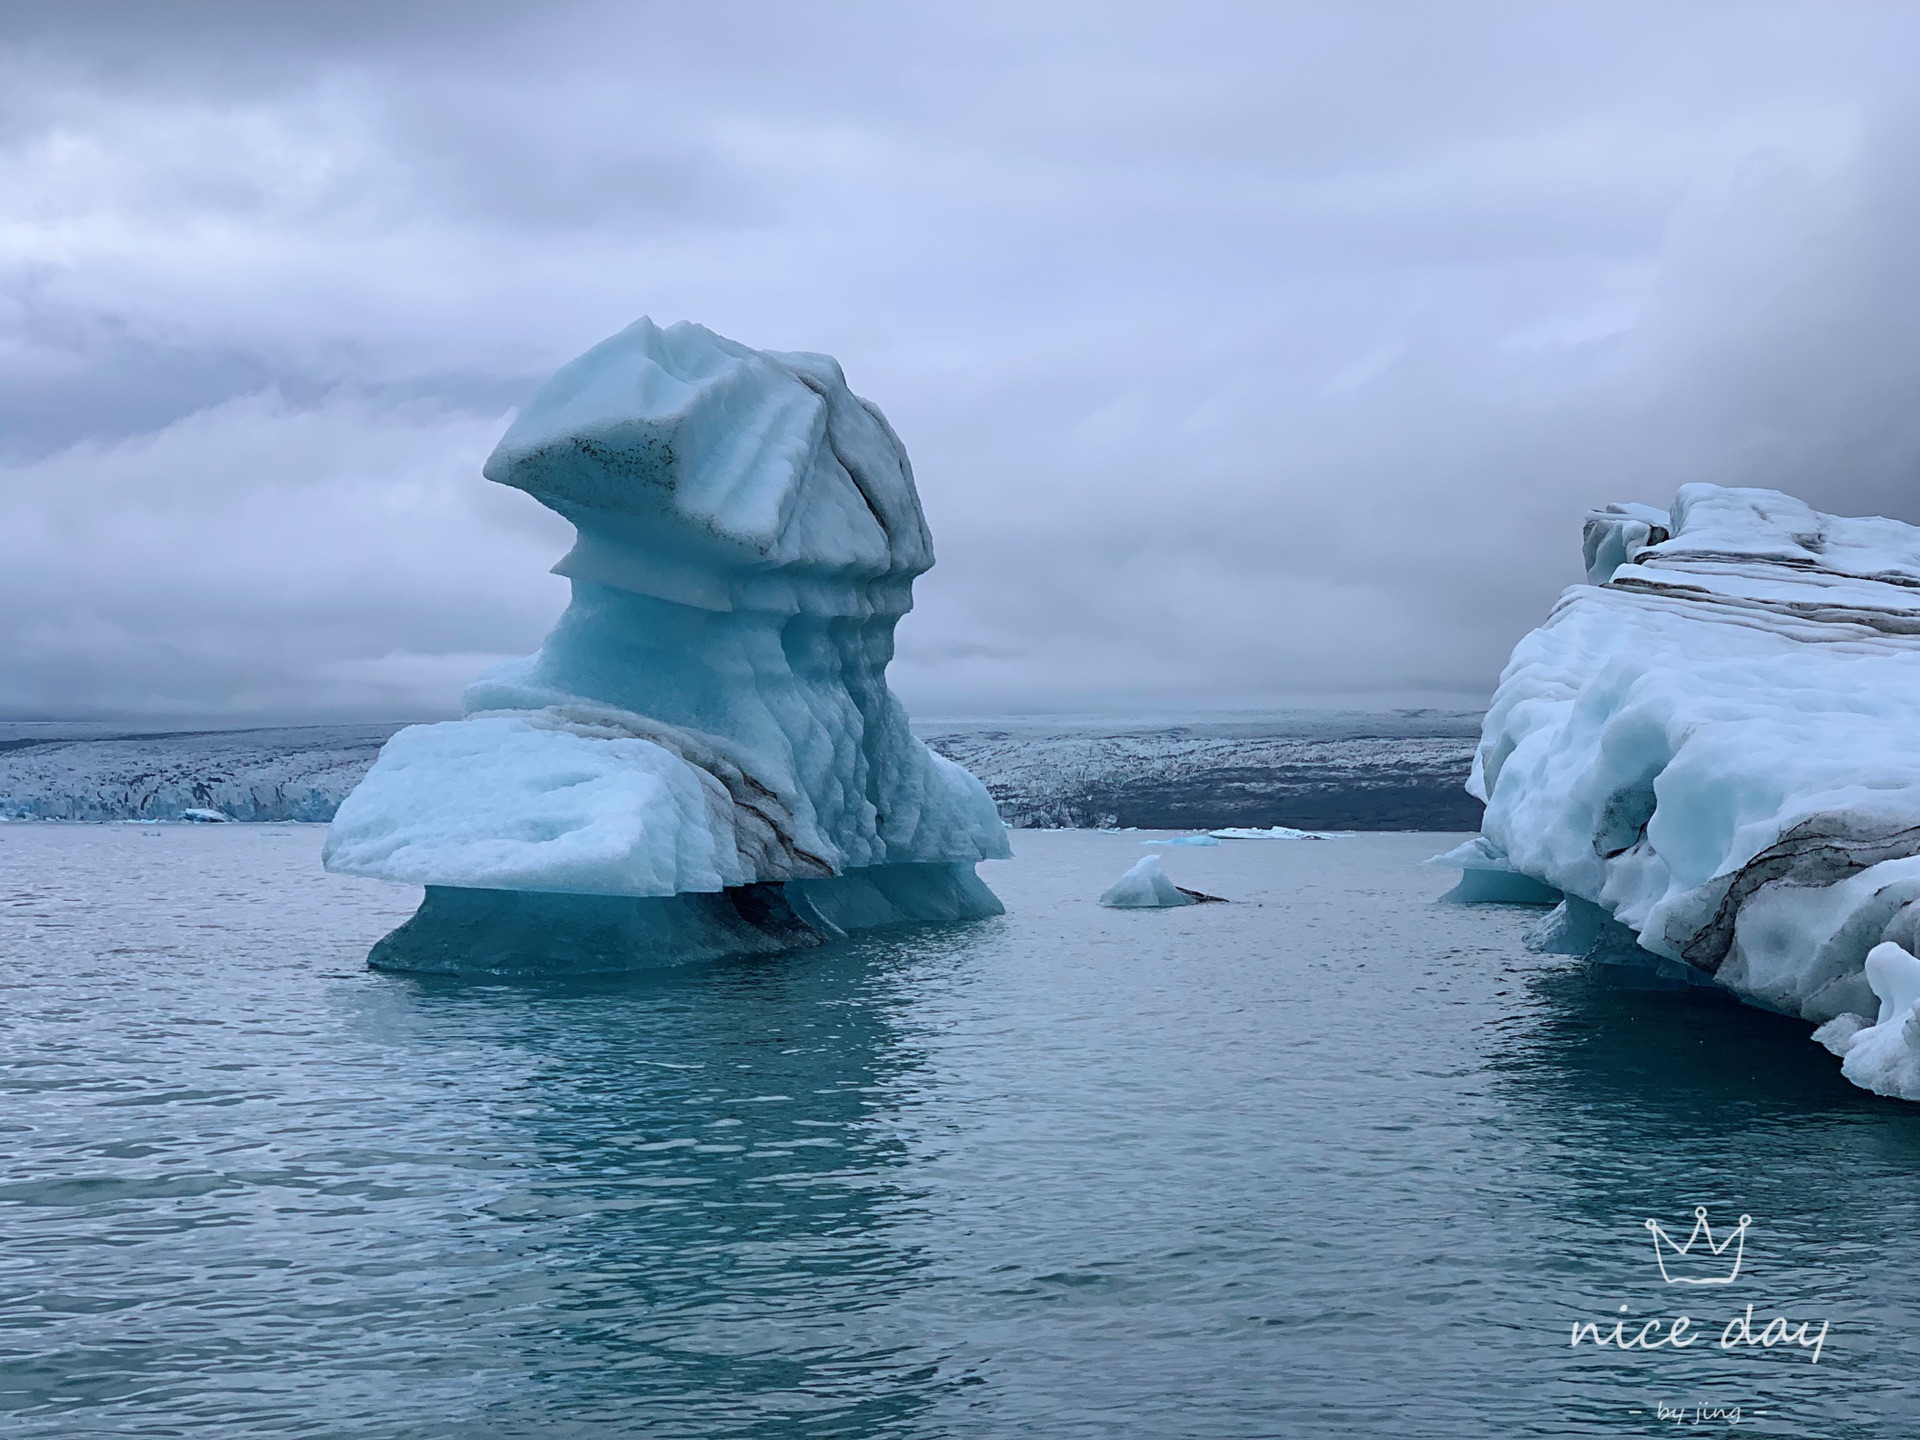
(711, 711)
(1712, 742)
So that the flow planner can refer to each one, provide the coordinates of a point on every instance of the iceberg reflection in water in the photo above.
(1333, 1160)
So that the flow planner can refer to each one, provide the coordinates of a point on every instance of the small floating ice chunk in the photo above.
(1272, 832)
(1146, 887)
(1185, 840)
(1488, 878)
(1885, 1056)
(205, 817)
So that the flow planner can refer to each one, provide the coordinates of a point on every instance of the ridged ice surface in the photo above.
(1713, 740)
(711, 711)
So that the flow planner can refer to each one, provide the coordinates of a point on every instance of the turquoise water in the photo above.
(1332, 1160)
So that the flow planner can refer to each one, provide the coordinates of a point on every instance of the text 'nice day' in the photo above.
(1738, 1331)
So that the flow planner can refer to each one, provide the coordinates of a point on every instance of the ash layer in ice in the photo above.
(703, 758)
(1709, 748)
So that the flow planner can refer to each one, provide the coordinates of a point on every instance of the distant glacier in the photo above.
(53, 772)
(1398, 770)
(1313, 769)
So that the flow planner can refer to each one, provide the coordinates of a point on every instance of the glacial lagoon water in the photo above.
(1331, 1160)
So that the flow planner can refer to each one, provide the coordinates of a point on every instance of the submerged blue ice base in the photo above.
(524, 932)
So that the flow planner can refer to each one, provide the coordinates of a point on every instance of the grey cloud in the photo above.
(267, 559)
(239, 45)
(1247, 354)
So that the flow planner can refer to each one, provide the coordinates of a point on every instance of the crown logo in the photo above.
(1708, 1265)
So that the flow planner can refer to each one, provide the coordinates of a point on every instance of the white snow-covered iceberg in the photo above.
(1713, 741)
(703, 757)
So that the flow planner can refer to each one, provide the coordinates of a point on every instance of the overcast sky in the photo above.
(1247, 355)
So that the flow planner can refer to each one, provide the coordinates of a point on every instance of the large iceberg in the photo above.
(703, 757)
(1712, 741)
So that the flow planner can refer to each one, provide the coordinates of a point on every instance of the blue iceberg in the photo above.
(703, 757)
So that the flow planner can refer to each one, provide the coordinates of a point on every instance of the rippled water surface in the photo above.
(1332, 1160)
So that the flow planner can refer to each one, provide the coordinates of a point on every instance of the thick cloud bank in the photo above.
(1249, 355)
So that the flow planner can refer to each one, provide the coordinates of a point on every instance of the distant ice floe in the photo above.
(1146, 887)
(1272, 832)
(703, 757)
(1276, 832)
(1711, 743)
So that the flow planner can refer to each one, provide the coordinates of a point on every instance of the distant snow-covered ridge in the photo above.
(299, 773)
(1317, 770)
(1711, 744)
(1347, 771)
